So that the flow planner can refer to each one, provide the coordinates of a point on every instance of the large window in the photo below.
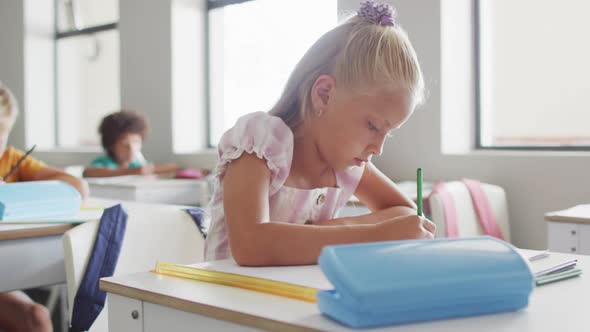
(87, 69)
(533, 74)
(253, 47)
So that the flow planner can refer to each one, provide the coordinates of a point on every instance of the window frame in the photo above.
(478, 99)
(58, 35)
(212, 4)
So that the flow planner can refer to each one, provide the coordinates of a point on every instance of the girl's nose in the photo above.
(376, 148)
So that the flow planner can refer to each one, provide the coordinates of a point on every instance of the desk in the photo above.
(569, 230)
(162, 303)
(31, 255)
(151, 190)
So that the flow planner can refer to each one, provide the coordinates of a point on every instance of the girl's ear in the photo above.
(322, 90)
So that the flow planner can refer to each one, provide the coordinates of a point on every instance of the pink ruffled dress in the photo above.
(271, 139)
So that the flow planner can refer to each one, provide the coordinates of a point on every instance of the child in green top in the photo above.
(122, 134)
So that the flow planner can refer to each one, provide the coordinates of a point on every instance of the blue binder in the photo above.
(384, 283)
(38, 200)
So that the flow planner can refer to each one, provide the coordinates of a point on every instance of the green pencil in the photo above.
(419, 190)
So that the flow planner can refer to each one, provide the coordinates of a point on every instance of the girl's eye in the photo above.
(372, 127)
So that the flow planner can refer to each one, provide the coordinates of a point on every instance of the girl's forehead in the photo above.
(392, 106)
(397, 96)
(377, 95)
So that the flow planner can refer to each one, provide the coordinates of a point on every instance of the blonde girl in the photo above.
(283, 175)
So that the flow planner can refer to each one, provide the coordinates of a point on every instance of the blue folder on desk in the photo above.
(397, 282)
(38, 200)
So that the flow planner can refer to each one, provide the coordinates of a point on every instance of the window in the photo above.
(87, 69)
(253, 47)
(533, 70)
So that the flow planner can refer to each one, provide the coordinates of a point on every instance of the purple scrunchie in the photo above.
(378, 13)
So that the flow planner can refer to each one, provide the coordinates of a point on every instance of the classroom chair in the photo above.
(455, 201)
(154, 232)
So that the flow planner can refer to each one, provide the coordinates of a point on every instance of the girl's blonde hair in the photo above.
(360, 55)
(8, 109)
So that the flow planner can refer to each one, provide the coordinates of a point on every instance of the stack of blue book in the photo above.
(397, 282)
(38, 200)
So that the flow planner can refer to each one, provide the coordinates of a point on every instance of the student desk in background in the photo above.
(151, 190)
(569, 230)
(31, 255)
(150, 302)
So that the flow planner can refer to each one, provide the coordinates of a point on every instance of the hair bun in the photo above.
(378, 13)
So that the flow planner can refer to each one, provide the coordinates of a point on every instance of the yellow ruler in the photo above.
(238, 280)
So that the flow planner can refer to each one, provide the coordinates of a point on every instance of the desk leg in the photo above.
(65, 317)
(125, 314)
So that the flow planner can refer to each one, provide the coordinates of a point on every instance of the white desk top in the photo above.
(577, 214)
(152, 189)
(561, 306)
(13, 230)
(23, 231)
(140, 181)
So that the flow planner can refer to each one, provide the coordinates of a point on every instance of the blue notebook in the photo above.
(38, 200)
(384, 283)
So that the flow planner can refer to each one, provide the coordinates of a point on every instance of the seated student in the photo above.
(30, 169)
(17, 311)
(122, 134)
(282, 176)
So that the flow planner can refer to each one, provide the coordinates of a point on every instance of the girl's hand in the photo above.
(404, 228)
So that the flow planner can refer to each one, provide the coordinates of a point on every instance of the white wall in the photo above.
(150, 68)
(88, 87)
(146, 73)
(12, 61)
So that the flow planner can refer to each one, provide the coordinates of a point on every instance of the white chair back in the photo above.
(154, 232)
(467, 219)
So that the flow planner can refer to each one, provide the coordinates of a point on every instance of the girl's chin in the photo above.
(347, 166)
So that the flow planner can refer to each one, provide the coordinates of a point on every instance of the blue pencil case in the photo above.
(38, 200)
(386, 283)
